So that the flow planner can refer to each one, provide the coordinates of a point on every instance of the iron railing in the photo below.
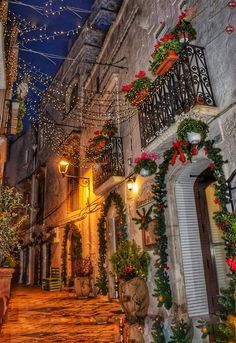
(186, 84)
(111, 164)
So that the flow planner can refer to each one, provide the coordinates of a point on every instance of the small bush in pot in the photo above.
(191, 125)
(84, 267)
(145, 162)
(82, 282)
(129, 261)
(130, 264)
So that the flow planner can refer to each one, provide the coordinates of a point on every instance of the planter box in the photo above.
(139, 97)
(166, 64)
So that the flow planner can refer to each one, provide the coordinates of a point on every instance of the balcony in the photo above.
(186, 84)
(110, 170)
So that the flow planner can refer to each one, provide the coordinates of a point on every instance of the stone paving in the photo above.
(39, 316)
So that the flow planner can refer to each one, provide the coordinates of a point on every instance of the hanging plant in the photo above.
(184, 30)
(137, 90)
(164, 55)
(99, 145)
(77, 251)
(189, 126)
(20, 116)
(121, 230)
(145, 164)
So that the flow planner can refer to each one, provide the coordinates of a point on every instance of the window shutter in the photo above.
(194, 276)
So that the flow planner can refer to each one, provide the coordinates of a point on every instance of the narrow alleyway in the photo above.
(38, 316)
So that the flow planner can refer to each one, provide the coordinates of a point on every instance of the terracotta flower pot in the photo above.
(82, 286)
(5, 281)
(166, 64)
(139, 97)
(134, 299)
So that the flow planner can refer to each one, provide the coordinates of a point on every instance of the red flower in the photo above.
(97, 132)
(194, 150)
(232, 263)
(211, 166)
(167, 37)
(141, 74)
(205, 151)
(166, 267)
(216, 201)
(128, 269)
(219, 226)
(127, 88)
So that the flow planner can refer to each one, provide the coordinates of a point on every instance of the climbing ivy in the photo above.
(121, 230)
(77, 253)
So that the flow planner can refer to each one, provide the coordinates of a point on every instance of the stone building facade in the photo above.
(84, 92)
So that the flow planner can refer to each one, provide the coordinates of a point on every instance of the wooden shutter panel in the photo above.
(194, 276)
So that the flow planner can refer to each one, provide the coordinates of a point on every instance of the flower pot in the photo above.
(134, 299)
(5, 281)
(82, 286)
(145, 172)
(183, 37)
(139, 97)
(194, 137)
(167, 63)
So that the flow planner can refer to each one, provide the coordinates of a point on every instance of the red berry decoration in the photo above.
(229, 29)
(231, 4)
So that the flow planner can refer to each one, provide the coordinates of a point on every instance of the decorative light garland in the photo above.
(121, 230)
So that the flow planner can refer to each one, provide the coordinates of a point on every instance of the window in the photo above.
(73, 189)
(41, 199)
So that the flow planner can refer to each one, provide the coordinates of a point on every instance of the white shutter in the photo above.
(194, 276)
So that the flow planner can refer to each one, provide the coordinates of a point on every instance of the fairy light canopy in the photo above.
(45, 27)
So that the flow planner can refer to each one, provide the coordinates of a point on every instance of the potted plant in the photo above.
(165, 54)
(84, 270)
(137, 90)
(12, 217)
(109, 128)
(183, 30)
(145, 164)
(192, 130)
(130, 264)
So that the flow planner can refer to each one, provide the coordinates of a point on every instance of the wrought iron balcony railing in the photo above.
(111, 164)
(186, 84)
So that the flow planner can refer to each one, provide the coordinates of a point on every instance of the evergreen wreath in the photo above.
(77, 253)
(113, 197)
(185, 151)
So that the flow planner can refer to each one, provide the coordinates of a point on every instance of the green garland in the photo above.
(185, 151)
(102, 280)
(77, 253)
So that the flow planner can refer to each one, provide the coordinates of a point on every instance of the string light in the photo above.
(46, 37)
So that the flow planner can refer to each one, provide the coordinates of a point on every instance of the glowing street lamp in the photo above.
(63, 166)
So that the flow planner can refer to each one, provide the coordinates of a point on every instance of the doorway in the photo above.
(212, 244)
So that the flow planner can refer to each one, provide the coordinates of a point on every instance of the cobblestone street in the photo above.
(39, 316)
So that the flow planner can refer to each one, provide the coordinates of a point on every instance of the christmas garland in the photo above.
(185, 151)
(121, 230)
(77, 254)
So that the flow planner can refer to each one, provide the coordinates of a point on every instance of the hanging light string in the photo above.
(24, 25)
(53, 36)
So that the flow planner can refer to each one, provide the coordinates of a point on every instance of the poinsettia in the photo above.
(231, 263)
(142, 82)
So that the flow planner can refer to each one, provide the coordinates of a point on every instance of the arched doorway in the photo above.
(202, 249)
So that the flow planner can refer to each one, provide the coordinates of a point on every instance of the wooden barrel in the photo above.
(134, 299)
(133, 334)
